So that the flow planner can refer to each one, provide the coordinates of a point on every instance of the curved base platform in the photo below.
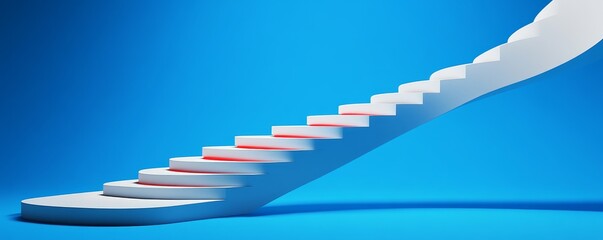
(94, 208)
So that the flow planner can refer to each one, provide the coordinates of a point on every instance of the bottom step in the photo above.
(94, 208)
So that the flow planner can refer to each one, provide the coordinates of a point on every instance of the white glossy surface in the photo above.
(274, 142)
(163, 176)
(133, 189)
(99, 201)
(339, 120)
(398, 98)
(198, 164)
(425, 86)
(381, 109)
(247, 154)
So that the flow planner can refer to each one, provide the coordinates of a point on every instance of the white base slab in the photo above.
(94, 208)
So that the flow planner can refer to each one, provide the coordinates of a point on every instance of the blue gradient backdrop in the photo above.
(93, 91)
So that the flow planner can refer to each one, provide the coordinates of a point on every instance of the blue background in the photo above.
(93, 91)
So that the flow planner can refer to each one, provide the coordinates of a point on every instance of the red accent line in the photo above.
(215, 158)
(293, 136)
(188, 171)
(263, 147)
(171, 185)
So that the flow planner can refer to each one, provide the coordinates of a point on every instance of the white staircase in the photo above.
(233, 180)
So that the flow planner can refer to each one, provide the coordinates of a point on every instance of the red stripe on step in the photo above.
(171, 185)
(293, 136)
(263, 147)
(188, 171)
(215, 158)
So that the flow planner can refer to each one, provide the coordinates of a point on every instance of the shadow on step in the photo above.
(351, 206)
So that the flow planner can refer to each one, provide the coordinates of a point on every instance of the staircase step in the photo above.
(531, 30)
(425, 86)
(95, 208)
(246, 154)
(491, 55)
(398, 98)
(374, 109)
(449, 73)
(339, 120)
(304, 131)
(199, 164)
(535, 30)
(271, 142)
(166, 177)
(526, 50)
(134, 189)
(485, 69)
(550, 10)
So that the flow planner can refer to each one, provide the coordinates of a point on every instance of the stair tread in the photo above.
(368, 109)
(134, 183)
(220, 160)
(449, 73)
(235, 148)
(305, 131)
(167, 171)
(422, 86)
(96, 200)
(336, 120)
(398, 98)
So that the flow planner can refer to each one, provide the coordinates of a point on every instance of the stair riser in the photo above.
(194, 180)
(271, 142)
(398, 98)
(307, 131)
(164, 193)
(489, 56)
(338, 120)
(218, 166)
(529, 31)
(425, 86)
(368, 109)
(450, 73)
(248, 154)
